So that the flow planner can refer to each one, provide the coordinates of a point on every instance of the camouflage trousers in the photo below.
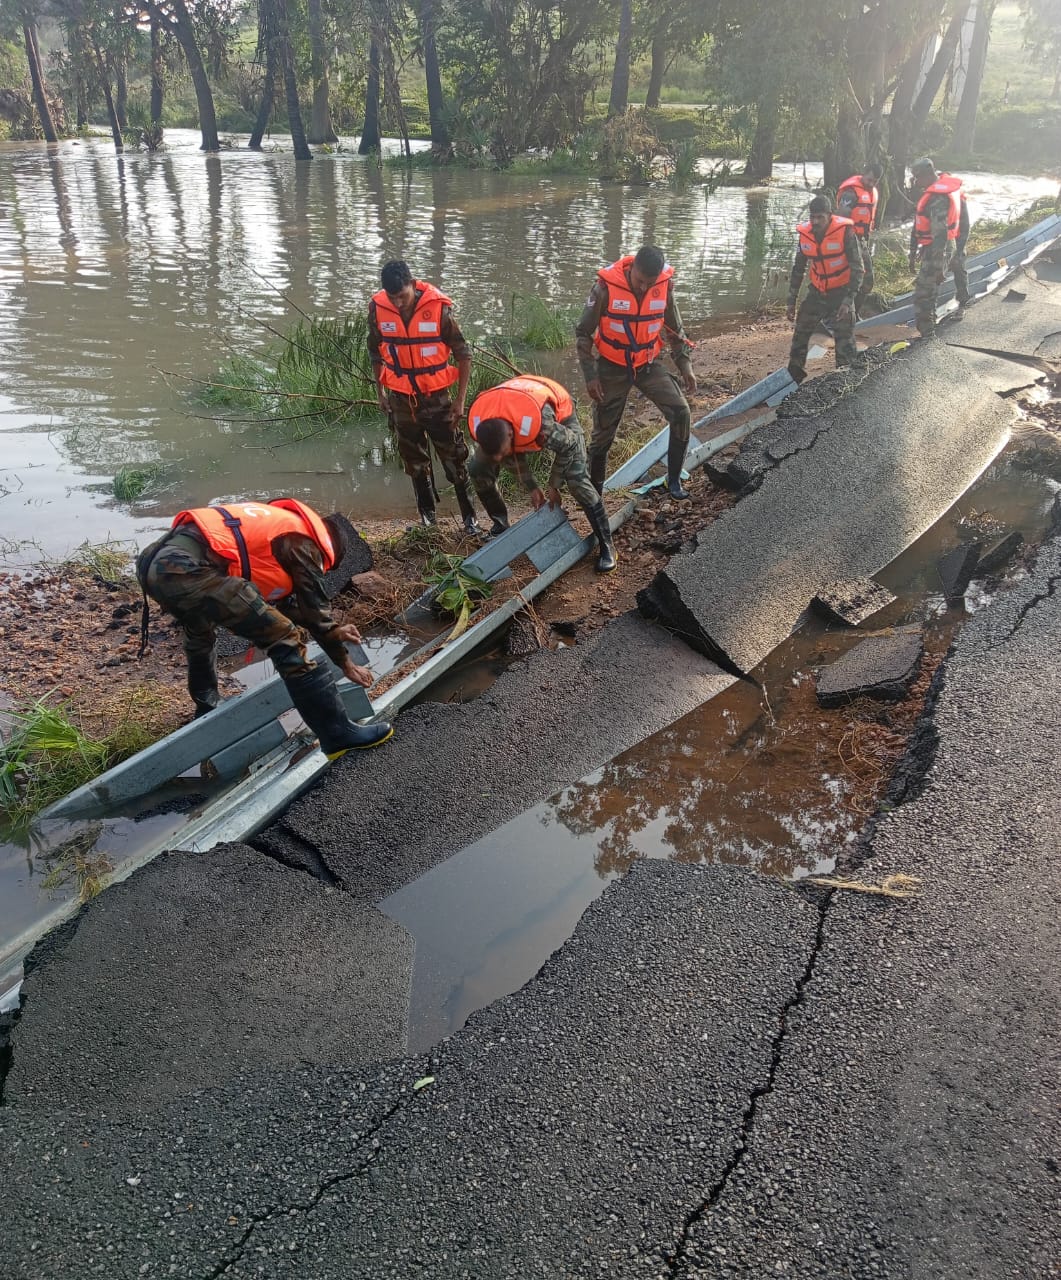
(429, 420)
(655, 383)
(868, 278)
(926, 291)
(814, 308)
(182, 576)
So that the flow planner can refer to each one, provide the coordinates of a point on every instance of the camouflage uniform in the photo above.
(191, 582)
(417, 420)
(568, 445)
(653, 381)
(818, 306)
(943, 255)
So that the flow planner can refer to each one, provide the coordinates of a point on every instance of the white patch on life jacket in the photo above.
(615, 327)
(254, 511)
(525, 424)
(388, 326)
(622, 304)
(476, 420)
(426, 326)
(428, 351)
(654, 327)
(657, 304)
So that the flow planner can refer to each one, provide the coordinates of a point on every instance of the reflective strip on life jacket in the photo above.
(520, 401)
(945, 185)
(631, 329)
(827, 262)
(415, 360)
(864, 212)
(242, 534)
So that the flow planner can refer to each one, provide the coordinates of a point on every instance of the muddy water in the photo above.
(760, 777)
(116, 273)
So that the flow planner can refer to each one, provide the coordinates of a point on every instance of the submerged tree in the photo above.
(38, 82)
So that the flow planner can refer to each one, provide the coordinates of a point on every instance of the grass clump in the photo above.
(538, 325)
(77, 862)
(135, 479)
(110, 562)
(459, 588)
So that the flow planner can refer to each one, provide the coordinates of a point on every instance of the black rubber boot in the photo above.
(202, 683)
(598, 465)
(317, 701)
(598, 520)
(675, 458)
(464, 501)
(495, 508)
(425, 500)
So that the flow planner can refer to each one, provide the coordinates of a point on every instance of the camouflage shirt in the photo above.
(589, 321)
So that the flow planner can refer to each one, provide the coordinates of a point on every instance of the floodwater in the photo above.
(122, 278)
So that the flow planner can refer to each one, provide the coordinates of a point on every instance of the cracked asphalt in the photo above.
(717, 1074)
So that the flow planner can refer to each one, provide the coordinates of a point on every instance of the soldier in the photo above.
(236, 566)
(829, 252)
(620, 334)
(413, 340)
(937, 241)
(523, 416)
(857, 198)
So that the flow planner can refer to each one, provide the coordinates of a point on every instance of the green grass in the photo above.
(77, 862)
(537, 325)
(110, 561)
(134, 480)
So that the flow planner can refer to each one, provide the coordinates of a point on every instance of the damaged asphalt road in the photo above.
(717, 1075)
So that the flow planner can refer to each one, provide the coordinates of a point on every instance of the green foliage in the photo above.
(538, 325)
(135, 479)
(459, 588)
(140, 131)
(77, 862)
(45, 757)
(109, 561)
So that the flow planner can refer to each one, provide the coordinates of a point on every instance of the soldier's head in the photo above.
(646, 267)
(496, 438)
(923, 172)
(821, 211)
(872, 174)
(397, 282)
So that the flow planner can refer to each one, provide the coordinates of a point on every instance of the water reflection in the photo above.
(116, 269)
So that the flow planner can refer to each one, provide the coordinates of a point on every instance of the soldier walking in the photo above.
(857, 198)
(937, 241)
(629, 311)
(413, 341)
(522, 417)
(829, 254)
(257, 568)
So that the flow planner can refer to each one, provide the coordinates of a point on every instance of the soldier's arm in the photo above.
(854, 257)
(679, 344)
(373, 341)
(795, 280)
(586, 327)
(451, 335)
(564, 439)
(845, 202)
(301, 558)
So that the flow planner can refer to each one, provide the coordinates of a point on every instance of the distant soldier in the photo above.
(257, 568)
(829, 254)
(413, 340)
(620, 335)
(857, 199)
(937, 241)
(524, 416)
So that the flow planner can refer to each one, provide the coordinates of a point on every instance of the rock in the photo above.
(956, 570)
(371, 585)
(881, 667)
(998, 552)
(853, 601)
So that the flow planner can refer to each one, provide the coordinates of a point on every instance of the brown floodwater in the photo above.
(120, 277)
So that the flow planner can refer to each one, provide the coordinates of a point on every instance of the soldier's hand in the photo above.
(790, 311)
(689, 383)
(348, 632)
(538, 499)
(595, 390)
(381, 400)
(940, 276)
(458, 409)
(356, 674)
(843, 311)
(554, 498)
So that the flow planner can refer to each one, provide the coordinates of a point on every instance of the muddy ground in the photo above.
(72, 634)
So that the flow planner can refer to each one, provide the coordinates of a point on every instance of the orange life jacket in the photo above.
(826, 260)
(520, 402)
(864, 213)
(631, 329)
(243, 532)
(415, 359)
(951, 188)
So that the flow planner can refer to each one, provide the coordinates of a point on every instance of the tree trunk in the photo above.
(265, 107)
(844, 156)
(370, 139)
(108, 96)
(184, 32)
(965, 124)
(287, 68)
(922, 107)
(157, 82)
(659, 67)
(320, 120)
(620, 95)
(760, 163)
(436, 102)
(899, 136)
(36, 75)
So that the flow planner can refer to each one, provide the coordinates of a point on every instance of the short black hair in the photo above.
(649, 260)
(821, 204)
(874, 170)
(491, 434)
(923, 165)
(395, 275)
